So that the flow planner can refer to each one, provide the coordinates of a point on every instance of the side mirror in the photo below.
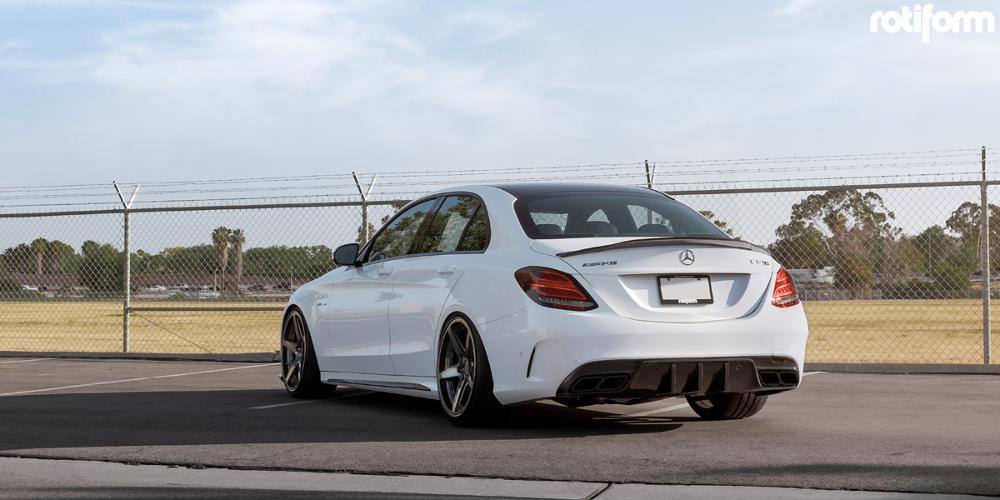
(346, 255)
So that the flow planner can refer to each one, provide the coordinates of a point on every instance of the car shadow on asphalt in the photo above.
(140, 418)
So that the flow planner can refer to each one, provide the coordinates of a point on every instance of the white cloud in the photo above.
(490, 24)
(254, 84)
(250, 88)
(793, 8)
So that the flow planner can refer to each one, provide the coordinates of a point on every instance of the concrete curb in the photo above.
(903, 369)
(262, 357)
(38, 478)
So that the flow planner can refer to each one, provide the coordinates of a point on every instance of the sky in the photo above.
(92, 91)
(165, 90)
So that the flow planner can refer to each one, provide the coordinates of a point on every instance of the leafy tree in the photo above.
(102, 268)
(199, 258)
(710, 215)
(854, 227)
(19, 259)
(965, 221)
(60, 258)
(300, 263)
(952, 273)
(800, 246)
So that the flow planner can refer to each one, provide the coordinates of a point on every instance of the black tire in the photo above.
(727, 406)
(476, 407)
(299, 369)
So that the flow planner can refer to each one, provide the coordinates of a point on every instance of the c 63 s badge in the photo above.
(760, 262)
(600, 263)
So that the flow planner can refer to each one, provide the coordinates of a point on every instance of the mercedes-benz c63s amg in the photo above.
(484, 296)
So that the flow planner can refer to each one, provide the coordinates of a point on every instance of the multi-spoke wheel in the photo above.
(465, 384)
(299, 370)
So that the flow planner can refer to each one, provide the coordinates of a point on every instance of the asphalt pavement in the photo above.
(889, 433)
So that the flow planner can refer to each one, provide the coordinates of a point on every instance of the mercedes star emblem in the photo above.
(687, 257)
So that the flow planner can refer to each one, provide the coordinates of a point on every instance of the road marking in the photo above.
(659, 410)
(296, 403)
(685, 405)
(137, 379)
(23, 361)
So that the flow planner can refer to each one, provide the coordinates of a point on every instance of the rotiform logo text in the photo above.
(923, 19)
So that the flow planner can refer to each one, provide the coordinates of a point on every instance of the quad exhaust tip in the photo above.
(600, 383)
(778, 378)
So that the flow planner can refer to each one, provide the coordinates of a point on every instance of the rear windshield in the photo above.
(597, 214)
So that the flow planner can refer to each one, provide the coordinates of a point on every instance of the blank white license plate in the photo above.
(685, 290)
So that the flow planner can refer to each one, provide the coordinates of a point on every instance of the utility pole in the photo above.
(127, 278)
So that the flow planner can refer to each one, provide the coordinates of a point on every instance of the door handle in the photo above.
(446, 270)
(385, 271)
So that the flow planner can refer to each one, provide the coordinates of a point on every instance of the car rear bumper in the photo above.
(534, 353)
(624, 380)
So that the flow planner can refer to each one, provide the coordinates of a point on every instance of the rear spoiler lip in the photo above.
(652, 242)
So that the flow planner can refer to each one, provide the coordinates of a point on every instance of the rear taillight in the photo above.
(784, 290)
(552, 288)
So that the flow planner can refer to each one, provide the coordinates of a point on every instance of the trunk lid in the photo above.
(625, 273)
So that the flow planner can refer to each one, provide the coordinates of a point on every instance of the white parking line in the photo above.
(23, 361)
(685, 405)
(296, 403)
(109, 382)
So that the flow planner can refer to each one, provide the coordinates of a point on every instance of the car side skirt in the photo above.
(421, 387)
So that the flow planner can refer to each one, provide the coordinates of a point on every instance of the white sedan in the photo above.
(484, 296)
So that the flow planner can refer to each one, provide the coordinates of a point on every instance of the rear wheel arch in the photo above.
(465, 405)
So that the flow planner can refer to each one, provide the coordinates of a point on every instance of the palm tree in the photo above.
(220, 237)
(237, 238)
(40, 247)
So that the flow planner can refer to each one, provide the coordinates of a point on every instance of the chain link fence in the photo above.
(890, 272)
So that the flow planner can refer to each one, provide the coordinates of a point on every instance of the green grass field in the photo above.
(882, 331)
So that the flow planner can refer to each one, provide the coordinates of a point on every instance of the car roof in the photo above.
(525, 189)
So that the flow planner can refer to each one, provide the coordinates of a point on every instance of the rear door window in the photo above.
(449, 229)
(477, 234)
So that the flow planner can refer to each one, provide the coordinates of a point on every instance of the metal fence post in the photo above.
(127, 274)
(985, 251)
(364, 206)
(127, 303)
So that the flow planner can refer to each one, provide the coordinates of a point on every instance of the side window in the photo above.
(477, 234)
(445, 230)
(397, 238)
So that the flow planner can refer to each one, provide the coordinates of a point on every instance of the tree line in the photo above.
(849, 230)
(100, 266)
(854, 232)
